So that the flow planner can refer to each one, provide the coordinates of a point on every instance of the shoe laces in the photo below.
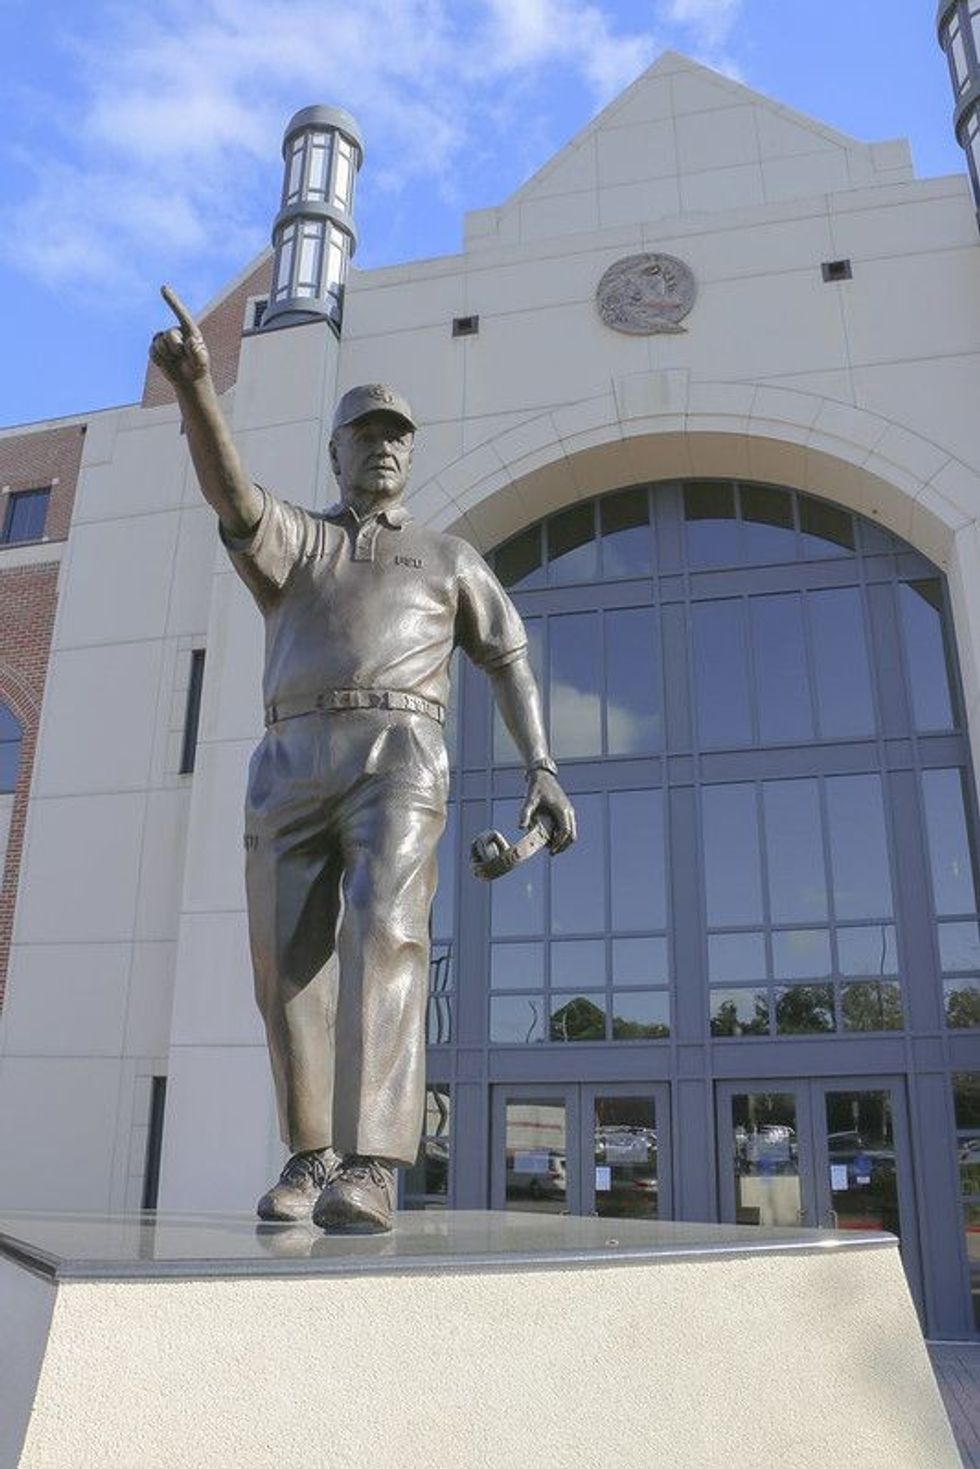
(362, 1168)
(305, 1165)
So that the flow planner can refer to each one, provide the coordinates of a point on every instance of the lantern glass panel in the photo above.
(310, 254)
(316, 186)
(295, 176)
(334, 274)
(975, 151)
(286, 247)
(975, 25)
(957, 52)
(342, 175)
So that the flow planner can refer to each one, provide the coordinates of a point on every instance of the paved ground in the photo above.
(957, 1367)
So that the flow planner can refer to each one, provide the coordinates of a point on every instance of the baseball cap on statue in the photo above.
(371, 398)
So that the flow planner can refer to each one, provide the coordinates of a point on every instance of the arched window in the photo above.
(10, 738)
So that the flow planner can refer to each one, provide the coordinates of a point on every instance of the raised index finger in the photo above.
(179, 310)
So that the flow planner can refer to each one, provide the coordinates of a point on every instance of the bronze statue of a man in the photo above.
(347, 791)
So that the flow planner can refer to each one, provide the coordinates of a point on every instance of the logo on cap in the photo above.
(379, 393)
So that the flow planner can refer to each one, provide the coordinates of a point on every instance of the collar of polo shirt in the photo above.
(393, 515)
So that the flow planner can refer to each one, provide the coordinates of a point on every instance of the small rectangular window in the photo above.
(836, 270)
(466, 326)
(192, 716)
(27, 512)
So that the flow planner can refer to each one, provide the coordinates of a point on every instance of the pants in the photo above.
(343, 814)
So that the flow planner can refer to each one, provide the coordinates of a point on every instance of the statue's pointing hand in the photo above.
(180, 353)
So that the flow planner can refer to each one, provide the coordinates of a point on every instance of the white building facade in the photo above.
(748, 556)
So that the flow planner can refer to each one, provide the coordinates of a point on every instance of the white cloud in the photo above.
(172, 156)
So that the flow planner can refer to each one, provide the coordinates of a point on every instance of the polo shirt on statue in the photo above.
(378, 603)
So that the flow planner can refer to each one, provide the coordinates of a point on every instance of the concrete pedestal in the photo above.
(463, 1341)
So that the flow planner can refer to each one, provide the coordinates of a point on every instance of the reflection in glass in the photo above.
(634, 718)
(841, 666)
(766, 1159)
(439, 1015)
(826, 531)
(536, 1153)
(427, 1180)
(921, 604)
(801, 953)
(519, 563)
(638, 879)
(736, 956)
(578, 1017)
(731, 855)
(962, 998)
(710, 525)
(625, 1158)
(805, 1009)
(624, 523)
(517, 904)
(578, 964)
(971, 1222)
(640, 1015)
(867, 950)
(861, 1152)
(966, 1099)
(640, 961)
(721, 673)
(767, 524)
(517, 966)
(739, 1012)
(871, 1004)
(858, 847)
(504, 749)
(794, 850)
(578, 878)
(959, 947)
(572, 547)
(575, 682)
(951, 859)
(516, 1019)
(779, 656)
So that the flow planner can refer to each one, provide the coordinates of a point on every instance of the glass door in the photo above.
(582, 1149)
(534, 1169)
(822, 1154)
(627, 1175)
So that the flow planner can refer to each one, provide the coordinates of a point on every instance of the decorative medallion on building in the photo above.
(642, 294)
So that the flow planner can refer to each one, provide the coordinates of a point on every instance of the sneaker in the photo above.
(299, 1187)
(359, 1198)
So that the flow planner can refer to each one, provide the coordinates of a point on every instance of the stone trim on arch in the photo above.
(660, 425)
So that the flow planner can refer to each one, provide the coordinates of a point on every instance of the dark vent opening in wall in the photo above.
(465, 326)
(154, 1143)
(836, 270)
(192, 717)
(258, 311)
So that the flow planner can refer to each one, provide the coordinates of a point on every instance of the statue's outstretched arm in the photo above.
(182, 357)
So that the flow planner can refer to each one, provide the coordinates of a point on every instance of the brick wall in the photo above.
(28, 597)
(50, 456)
(222, 328)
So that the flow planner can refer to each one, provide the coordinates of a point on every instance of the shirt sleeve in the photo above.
(265, 559)
(488, 625)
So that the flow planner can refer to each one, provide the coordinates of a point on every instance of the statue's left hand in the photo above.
(546, 801)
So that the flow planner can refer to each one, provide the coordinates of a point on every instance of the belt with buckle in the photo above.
(328, 699)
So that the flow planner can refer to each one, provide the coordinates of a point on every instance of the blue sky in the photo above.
(141, 138)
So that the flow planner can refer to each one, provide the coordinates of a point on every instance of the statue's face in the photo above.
(372, 457)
